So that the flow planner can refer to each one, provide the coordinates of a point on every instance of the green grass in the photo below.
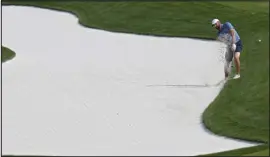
(252, 6)
(242, 109)
(261, 149)
(6, 54)
(259, 153)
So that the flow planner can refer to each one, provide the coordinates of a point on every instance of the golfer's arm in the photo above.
(232, 34)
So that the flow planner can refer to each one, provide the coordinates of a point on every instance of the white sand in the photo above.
(72, 90)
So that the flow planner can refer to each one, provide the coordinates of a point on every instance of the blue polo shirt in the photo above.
(225, 32)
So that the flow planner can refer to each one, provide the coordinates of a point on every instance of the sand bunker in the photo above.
(72, 90)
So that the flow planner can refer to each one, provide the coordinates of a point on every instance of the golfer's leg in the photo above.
(237, 62)
(237, 58)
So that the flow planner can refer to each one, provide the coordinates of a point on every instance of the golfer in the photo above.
(227, 34)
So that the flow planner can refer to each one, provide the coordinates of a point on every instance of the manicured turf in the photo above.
(261, 149)
(6, 54)
(259, 153)
(242, 108)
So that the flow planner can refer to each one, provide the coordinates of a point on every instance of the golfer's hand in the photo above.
(233, 47)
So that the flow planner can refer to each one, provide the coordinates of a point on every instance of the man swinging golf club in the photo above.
(227, 34)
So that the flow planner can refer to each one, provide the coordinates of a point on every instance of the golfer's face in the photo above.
(216, 25)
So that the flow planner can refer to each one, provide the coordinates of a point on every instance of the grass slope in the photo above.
(261, 149)
(6, 54)
(242, 108)
(259, 153)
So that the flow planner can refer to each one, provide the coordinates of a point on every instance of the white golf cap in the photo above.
(214, 21)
